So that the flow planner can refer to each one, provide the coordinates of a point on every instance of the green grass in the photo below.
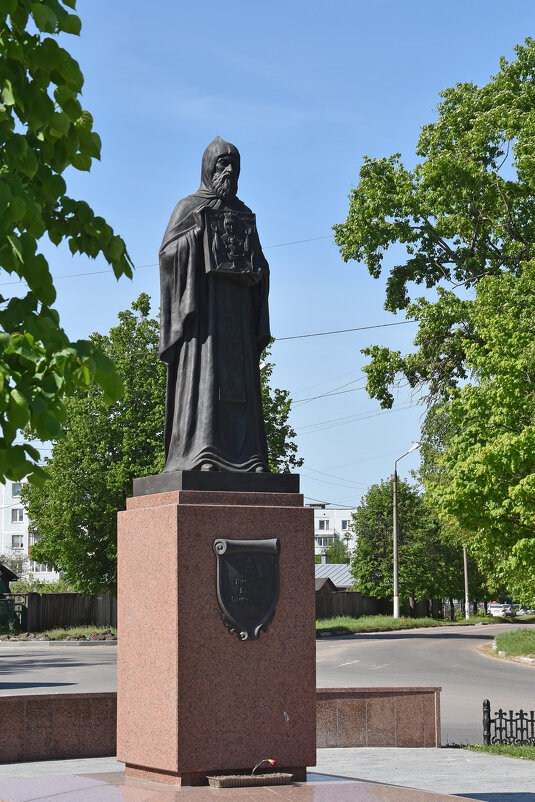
(521, 642)
(345, 624)
(61, 634)
(522, 752)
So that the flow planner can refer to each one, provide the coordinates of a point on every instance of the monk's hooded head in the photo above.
(220, 169)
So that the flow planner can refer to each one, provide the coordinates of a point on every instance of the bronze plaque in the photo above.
(247, 584)
(230, 243)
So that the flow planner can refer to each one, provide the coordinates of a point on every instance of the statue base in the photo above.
(229, 481)
(194, 699)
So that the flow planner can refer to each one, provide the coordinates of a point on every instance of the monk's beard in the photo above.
(225, 186)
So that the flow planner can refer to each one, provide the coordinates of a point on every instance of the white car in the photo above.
(501, 610)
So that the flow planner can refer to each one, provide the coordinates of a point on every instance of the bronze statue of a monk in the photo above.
(214, 283)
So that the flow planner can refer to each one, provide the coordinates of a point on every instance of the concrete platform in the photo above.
(116, 787)
(341, 775)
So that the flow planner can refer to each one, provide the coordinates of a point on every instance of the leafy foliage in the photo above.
(32, 585)
(104, 447)
(338, 553)
(483, 478)
(282, 450)
(465, 211)
(429, 566)
(16, 560)
(43, 131)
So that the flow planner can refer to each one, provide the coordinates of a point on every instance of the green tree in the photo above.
(43, 131)
(338, 552)
(16, 561)
(466, 210)
(103, 448)
(483, 479)
(282, 449)
(429, 565)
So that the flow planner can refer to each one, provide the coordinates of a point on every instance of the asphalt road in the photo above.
(57, 669)
(445, 656)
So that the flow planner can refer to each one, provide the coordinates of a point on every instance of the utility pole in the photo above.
(395, 530)
(466, 592)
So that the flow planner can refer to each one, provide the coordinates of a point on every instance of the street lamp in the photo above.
(395, 530)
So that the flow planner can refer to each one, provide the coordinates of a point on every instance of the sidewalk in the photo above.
(341, 775)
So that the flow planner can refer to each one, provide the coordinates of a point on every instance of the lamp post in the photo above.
(395, 530)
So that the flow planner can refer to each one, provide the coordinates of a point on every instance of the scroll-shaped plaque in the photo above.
(247, 584)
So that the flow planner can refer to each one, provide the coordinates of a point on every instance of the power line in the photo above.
(332, 476)
(335, 423)
(297, 242)
(155, 264)
(334, 391)
(345, 331)
(333, 503)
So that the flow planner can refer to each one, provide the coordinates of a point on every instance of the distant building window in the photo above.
(15, 489)
(345, 524)
(17, 515)
(323, 523)
(16, 541)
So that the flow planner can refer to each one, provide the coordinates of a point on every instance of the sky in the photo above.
(304, 90)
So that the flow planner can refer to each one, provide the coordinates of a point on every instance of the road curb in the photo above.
(56, 643)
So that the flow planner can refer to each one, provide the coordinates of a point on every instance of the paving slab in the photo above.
(340, 775)
(459, 772)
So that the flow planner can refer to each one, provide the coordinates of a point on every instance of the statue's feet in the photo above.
(208, 466)
(260, 469)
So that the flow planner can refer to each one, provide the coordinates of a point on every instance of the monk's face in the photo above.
(225, 177)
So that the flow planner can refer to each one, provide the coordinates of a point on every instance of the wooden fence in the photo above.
(352, 603)
(43, 611)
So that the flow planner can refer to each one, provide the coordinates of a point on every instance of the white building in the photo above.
(332, 524)
(15, 540)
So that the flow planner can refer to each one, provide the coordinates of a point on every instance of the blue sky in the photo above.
(304, 90)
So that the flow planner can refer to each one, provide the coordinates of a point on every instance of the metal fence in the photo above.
(508, 727)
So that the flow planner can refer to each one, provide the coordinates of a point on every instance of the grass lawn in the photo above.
(522, 752)
(61, 634)
(521, 642)
(344, 625)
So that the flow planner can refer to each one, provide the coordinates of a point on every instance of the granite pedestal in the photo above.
(193, 699)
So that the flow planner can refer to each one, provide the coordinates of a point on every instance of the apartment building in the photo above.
(15, 539)
(331, 524)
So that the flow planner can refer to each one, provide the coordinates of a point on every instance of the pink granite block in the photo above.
(70, 739)
(326, 723)
(352, 722)
(97, 721)
(12, 731)
(381, 720)
(39, 720)
(199, 699)
(431, 719)
(147, 649)
(409, 721)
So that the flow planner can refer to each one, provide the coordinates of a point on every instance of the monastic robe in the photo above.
(214, 326)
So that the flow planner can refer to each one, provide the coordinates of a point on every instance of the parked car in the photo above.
(501, 610)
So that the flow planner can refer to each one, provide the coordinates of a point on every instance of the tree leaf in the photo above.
(44, 17)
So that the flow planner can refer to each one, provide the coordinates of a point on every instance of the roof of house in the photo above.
(324, 583)
(339, 574)
(7, 575)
